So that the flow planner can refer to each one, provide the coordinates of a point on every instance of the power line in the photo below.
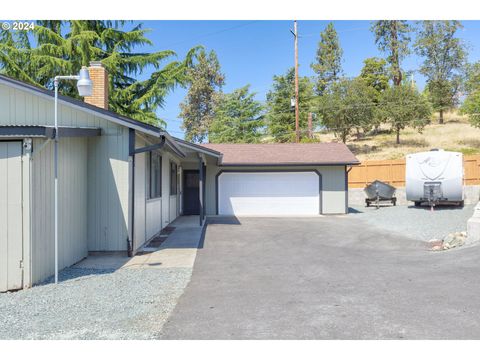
(326, 130)
(285, 133)
(212, 33)
(354, 105)
(332, 106)
(338, 31)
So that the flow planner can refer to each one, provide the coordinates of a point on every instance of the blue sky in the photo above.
(252, 52)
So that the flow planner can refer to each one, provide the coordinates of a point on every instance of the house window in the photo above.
(155, 175)
(173, 178)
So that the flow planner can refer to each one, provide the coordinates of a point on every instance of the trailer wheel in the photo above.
(461, 203)
(417, 203)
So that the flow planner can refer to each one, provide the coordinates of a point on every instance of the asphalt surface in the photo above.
(325, 278)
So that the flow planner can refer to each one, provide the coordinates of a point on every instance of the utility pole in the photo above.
(297, 114)
(310, 127)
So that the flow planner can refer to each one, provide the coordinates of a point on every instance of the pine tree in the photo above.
(281, 116)
(328, 65)
(197, 110)
(237, 118)
(445, 56)
(63, 47)
(393, 38)
(375, 73)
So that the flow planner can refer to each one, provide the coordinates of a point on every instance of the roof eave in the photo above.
(173, 144)
(80, 105)
(198, 148)
(290, 164)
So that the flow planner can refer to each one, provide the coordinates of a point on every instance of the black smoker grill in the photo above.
(378, 192)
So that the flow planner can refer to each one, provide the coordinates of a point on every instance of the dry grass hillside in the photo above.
(456, 134)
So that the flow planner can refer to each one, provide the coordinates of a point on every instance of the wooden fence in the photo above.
(393, 172)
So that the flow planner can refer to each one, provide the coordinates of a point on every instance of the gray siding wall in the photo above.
(108, 181)
(153, 215)
(107, 159)
(334, 195)
(141, 179)
(169, 205)
(72, 190)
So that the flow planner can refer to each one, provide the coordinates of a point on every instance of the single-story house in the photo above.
(122, 181)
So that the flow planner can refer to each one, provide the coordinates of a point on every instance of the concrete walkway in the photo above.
(325, 278)
(178, 251)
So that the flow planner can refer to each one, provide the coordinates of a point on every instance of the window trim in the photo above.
(150, 174)
(173, 164)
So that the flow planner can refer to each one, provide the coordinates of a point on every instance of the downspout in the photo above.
(204, 192)
(200, 187)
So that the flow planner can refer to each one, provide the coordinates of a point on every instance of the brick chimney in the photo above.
(99, 77)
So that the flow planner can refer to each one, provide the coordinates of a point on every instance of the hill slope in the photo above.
(455, 135)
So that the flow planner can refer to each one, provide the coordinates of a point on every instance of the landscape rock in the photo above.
(450, 241)
(454, 240)
(435, 244)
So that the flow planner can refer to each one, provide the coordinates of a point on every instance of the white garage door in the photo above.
(268, 193)
(11, 246)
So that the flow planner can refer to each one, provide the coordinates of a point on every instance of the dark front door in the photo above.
(191, 192)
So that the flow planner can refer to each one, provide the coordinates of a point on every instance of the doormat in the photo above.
(157, 241)
(167, 230)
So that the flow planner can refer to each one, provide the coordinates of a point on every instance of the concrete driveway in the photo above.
(325, 278)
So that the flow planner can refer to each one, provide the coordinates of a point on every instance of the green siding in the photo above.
(106, 167)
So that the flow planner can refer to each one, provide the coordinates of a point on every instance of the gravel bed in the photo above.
(416, 222)
(94, 304)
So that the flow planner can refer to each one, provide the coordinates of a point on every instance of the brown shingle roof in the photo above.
(285, 154)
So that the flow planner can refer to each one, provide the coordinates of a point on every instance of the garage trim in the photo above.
(269, 171)
(27, 211)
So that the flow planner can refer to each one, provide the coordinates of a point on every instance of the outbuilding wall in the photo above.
(334, 194)
(107, 162)
(72, 205)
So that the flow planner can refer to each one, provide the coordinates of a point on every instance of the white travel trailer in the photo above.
(435, 176)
